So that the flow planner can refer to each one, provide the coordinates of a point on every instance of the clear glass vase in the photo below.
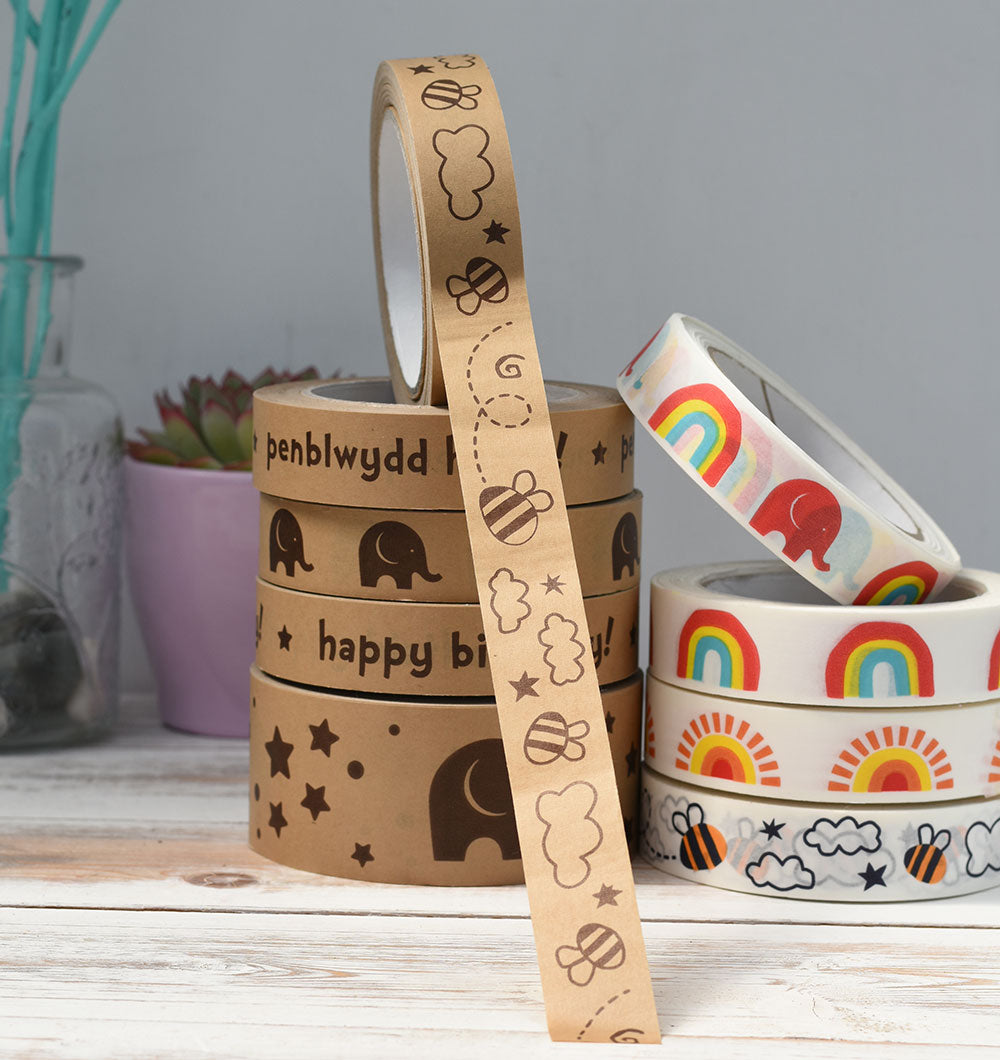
(60, 520)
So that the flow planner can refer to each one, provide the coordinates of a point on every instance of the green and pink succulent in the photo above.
(212, 427)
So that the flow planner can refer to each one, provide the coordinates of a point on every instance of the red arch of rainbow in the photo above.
(914, 581)
(728, 416)
(994, 674)
(705, 621)
(899, 635)
(631, 364)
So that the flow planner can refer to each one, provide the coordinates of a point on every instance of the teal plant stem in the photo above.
(21, 17)
(28, 193)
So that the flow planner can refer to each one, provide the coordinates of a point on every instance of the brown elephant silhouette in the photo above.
(625, 547)
(286, 543)
(395, 549)
(470, 799)
(806, 514)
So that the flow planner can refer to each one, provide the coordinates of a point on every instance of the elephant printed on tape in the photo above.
(393, 549)
(286, 543)
(625, 547)
(470, 799)
(806, 514)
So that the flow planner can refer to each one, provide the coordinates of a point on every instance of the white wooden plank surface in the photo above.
(135, 921)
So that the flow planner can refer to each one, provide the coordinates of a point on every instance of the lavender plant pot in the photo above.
(191, 547)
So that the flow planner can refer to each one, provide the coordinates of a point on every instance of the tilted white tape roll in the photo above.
(757, 631)
(783, 471)
(815, 754)
(804, 850)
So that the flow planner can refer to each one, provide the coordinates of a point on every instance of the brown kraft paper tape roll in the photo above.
(409, 649)
(345, 442)
(455, 312)
(406, 791)
(381, 554)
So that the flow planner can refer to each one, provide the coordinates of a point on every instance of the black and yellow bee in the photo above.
(926, 861)
(702, 846)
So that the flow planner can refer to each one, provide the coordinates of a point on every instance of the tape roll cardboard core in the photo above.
(400, 249)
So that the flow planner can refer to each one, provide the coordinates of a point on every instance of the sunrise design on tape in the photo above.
(719, 633)
(853, 663)
(726, 748)
(892, 758)
(703, 426)
(909, 583)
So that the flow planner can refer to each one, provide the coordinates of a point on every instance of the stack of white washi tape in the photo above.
(796, 746)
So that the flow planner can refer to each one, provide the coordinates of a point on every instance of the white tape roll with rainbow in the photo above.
(783, 471)
(805, 850)
(757, 631)
(815, 754)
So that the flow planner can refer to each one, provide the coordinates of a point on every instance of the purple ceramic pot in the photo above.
(191, 547)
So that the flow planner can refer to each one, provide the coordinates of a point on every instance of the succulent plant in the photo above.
(212, 426)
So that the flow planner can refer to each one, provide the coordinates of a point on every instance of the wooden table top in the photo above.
(135, 922)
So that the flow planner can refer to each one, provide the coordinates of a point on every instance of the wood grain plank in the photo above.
(97, 983)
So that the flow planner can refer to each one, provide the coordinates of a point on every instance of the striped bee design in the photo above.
(511, 512)
(925, 861)
(597, 948)
(702, 846)
(550, 737)
(445, 93)
(484, 281)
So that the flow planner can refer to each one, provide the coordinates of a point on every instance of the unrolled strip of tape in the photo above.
(457, 324)
(757, 631)
(438, 649)
(783, 471)
(382, 554)
(346, 441)
(811, 850)
(816, 754)
(414, 791)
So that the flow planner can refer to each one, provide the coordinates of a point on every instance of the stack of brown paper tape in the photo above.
(375, 750)
(794, 746)
(532, 603)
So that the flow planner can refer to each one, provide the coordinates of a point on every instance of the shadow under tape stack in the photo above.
(375, 749)
(795, 746)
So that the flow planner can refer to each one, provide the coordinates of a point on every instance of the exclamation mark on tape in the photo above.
(607, 636)
(260, 623)
(560, 446)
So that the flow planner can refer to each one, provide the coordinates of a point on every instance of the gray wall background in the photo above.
(817, 179)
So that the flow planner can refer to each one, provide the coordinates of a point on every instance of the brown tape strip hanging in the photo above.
(455, 310)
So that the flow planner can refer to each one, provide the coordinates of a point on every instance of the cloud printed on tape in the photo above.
(465, 171)
(845, 836)
(507, 600)
(781, 874)
(563, 650)
(571, 834)
(982, 841)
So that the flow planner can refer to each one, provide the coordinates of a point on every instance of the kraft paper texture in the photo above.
(383, 554)
(428, 649)
(345, 442)
(406, 791)
(443, 115)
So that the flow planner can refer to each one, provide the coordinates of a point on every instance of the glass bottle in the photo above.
(60, 520)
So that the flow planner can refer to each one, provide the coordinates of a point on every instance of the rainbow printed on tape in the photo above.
(822, 754)
(757, 631)
(783, 471)
(841, 853)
